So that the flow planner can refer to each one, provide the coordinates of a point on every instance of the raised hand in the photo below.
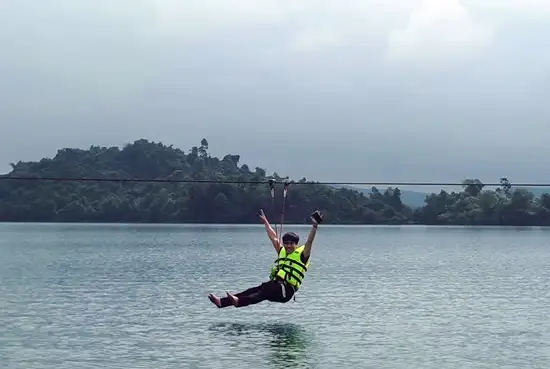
(263, 217)
(316, 217)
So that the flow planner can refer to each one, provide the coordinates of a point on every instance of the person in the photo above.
(287, 274)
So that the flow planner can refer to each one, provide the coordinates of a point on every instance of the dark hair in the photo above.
(291, 237)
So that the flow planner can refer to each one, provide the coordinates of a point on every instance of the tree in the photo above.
(169, 202)
(505, 186)
(86, 201)
(472, 186)
(203, 149)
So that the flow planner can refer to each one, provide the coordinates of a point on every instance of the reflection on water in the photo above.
(289, 344)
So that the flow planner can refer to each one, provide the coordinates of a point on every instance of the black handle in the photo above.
(317, 216)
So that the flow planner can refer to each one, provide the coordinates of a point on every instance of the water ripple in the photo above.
(135, 297)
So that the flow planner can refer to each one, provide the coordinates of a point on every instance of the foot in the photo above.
(234, 299)
(215, 300)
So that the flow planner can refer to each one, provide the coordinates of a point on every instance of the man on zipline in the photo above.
(287, 274)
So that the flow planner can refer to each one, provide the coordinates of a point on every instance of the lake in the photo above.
(135, 296)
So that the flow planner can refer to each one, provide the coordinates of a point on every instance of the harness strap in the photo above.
(291, 270)
(292, 261)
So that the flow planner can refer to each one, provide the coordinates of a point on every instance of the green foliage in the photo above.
(478, 206)
(92, 201)
(89, 201)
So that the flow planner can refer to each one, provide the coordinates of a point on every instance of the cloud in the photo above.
(408, 30)
(303, 72)
(190, 18)
(304, 24)
(315, 40)
(439, 30)
(515, 7)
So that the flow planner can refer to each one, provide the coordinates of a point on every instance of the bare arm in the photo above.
(309, 242)
(316, 218)
(270, 232)
(273, 237)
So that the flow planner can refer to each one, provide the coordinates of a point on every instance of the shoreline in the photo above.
(251, 225)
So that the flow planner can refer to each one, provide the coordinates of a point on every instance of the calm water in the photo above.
(125, 296)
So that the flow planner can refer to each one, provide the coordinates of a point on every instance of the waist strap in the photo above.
(284, 283)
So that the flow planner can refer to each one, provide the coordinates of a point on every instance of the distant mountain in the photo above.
(207, 193)
(537, 191)
(190, 201)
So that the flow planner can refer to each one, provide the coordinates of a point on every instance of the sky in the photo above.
(341, 90)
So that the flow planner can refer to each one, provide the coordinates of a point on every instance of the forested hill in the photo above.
(86, 201)
(92, 201)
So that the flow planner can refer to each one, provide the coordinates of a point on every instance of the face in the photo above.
(289, 246)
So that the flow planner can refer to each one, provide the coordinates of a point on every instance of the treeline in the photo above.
(87, 201)
(92, 201)
(476, 205)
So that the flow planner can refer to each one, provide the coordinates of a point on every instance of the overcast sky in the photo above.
(358, 90)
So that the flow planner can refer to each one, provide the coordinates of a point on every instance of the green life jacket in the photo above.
(290, 268)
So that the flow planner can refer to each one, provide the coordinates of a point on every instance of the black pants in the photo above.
(275, 291)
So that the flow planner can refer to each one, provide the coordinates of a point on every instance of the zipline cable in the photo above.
(211, 181)
(272, 188)
(285, 190)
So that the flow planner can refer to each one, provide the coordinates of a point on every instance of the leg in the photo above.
(250, 291)
(273, 291)
(249, 297)
(234, 299)
(278, 291)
